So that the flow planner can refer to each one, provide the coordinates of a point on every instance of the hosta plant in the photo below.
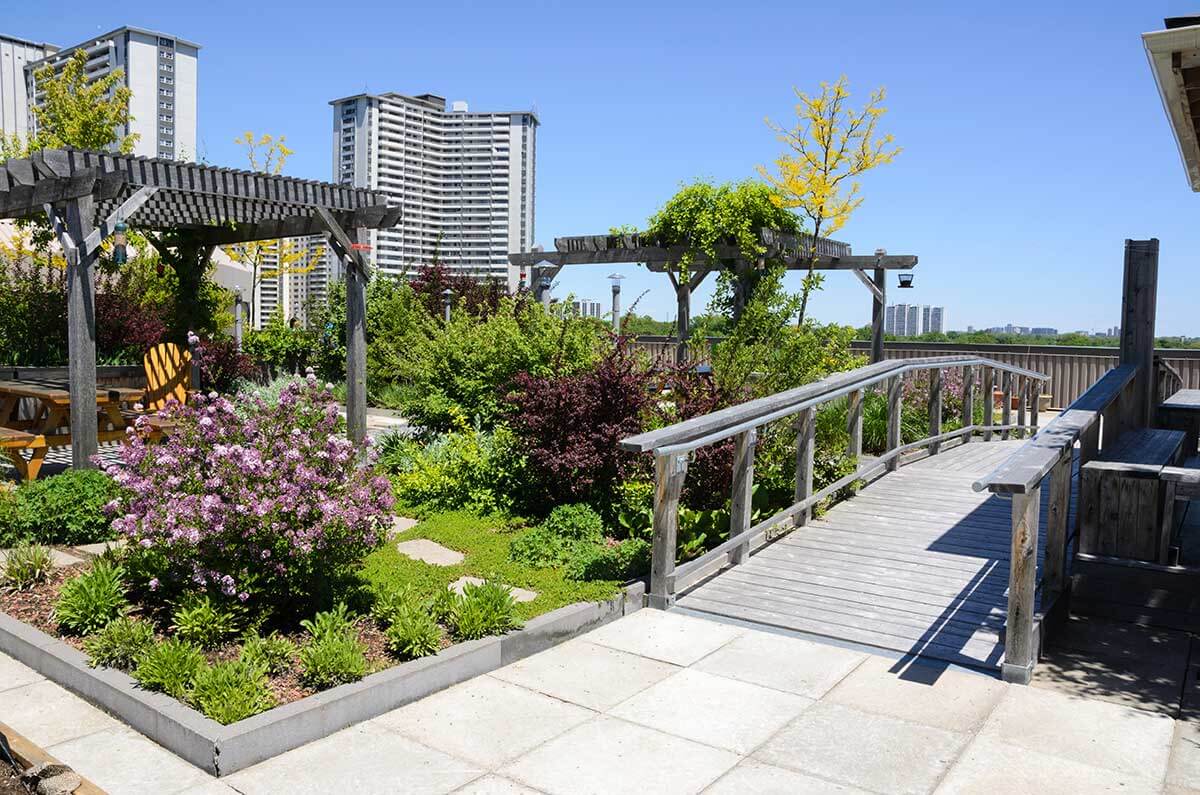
(169, 667)
(120, 644)
(201, 621)
(486, 609)
(90, 600)
(25, 566)
(230, 691)
(334, 655)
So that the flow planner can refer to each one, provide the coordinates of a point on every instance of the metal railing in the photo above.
(672, 446)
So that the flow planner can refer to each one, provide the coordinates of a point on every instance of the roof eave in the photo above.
(1161, 47)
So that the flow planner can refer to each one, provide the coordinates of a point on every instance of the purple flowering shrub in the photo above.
(264, 504)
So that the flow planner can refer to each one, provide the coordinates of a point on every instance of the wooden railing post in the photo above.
(806, 435)
(895, 395)
(1006, 389)
(1022, 389)
(968, 401)
(1020, 645)
(743, 486)
(989, 402)
(1058, 523)
(1035, 395)
(854, 420)
(669, 473)
(935, 408)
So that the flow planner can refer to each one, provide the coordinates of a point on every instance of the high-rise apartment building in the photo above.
(14, 95)
(464, 179)
(160, 71)
(911, 320)
(586, 307)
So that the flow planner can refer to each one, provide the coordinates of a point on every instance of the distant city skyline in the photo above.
(913, 320)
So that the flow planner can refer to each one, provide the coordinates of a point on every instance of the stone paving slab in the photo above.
(14, 674)
(1094, 733)
(495, 785)
(121, 760)
(518, 594)
(47, 714)
(607, 755)
(721, 712)
(874, 752)
(485, 721)
(762, 779)
(402, 523)
(673, 638)
(101, 547)
(584, 673)
(790, 664)
(931, 695)
(430, 552)
(1184, 770)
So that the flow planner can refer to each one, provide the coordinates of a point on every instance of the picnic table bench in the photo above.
(1126, 508)
(1181, 412)
(52, 409)
(13, 442)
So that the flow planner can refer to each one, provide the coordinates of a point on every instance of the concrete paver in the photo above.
(495, 785)
(14, 674)
(763, 779)
(607, 755)
(363, 760)
(797, 666)
(1095, 733)
(711, 709)
(47, 714)
(874, 752)
(927, 694)
(121, 760)
(1184, 770)
(581, 672)
(430, 552)
(670, 637)
(989, 767)
(484, 720)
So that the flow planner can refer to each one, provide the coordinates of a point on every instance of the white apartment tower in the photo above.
(160, 70)
(14, 96)
(464, 179)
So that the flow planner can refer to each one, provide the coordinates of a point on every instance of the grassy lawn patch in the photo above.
(484, 541)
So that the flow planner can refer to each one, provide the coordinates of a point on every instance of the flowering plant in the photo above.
(262, 502)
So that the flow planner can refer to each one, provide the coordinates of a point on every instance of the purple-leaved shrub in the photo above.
(264, 504)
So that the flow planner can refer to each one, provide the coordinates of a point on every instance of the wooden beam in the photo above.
(854, 423)
(356, 349)
(806, 438)
(874, 288)
(878, 308)
(743, 487)
(669, 474)
(968, 399)
(989, 401)
(652, 256)
(935, 409)
(356, 259)
(127, 208)
(1138, 304)
(683, 303)
(1058, 524)
(1020, 644)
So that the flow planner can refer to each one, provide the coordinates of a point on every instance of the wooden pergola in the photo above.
(794, 251)
(84, 194)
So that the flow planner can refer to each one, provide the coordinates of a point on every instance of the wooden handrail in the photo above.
(673, 445)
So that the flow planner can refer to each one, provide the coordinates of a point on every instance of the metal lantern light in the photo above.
(906, 281)
(119, 255)
(447, 296)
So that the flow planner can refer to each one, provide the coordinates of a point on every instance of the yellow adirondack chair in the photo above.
(168, 375)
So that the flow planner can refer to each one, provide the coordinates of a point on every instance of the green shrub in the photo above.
(487, 609)
(473, 469)
(230, 691)
(444, 604)
(273, 653)
(25, 566)
(120, 644)
(202, 622)
(169, 667)
(67, 508)
(90, 600)
(334, 655)
(10, 527)
(620, 561)
(414, 633)
(553, 541)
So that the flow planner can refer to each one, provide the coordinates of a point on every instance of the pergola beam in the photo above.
(661, 256)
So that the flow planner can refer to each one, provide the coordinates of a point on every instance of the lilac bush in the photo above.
(263, 503)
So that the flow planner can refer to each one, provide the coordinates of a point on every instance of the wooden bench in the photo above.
(1125, 509)
(13, 442)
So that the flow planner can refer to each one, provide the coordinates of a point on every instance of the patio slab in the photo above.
(14, 674)
(711, 709)
(362, 760)
(584, 673)
(48, 715)
(862, 749)
(931, 695)
(121, 760)
(485, 721)
(1097, 733)
(789, 664)
(607, 755)
(670, 637)
(430, 552)
(495, 785)
(764, 779)
(1184, 770)
(518, 594)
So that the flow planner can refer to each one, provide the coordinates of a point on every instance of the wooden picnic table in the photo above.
(51, 418)
(1182, 412)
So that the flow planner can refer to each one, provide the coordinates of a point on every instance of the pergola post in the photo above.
(1138, 301)
(878, 305)
(683, 298)
(81, 331)
(356, 348)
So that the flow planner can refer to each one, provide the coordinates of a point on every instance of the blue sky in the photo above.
(1034, 140)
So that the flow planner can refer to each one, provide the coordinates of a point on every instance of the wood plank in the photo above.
(1020, 646)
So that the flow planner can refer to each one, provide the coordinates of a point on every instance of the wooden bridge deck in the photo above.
(915, 563)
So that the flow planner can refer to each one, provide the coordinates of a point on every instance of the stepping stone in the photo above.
(102, 547)
(519, 594)
(400, 524)
(430, 552)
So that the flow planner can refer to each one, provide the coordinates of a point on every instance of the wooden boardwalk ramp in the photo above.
(915, 563)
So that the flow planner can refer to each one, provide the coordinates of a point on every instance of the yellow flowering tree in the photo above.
(270, 259)
(830, 145)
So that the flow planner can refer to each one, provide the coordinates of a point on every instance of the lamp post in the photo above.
(237, 317)
(615, 280)
(543, 290)
(447, 294)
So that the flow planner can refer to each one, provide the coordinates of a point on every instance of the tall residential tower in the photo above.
(465, 179)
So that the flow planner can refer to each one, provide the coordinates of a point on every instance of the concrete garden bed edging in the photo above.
(221, 750)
